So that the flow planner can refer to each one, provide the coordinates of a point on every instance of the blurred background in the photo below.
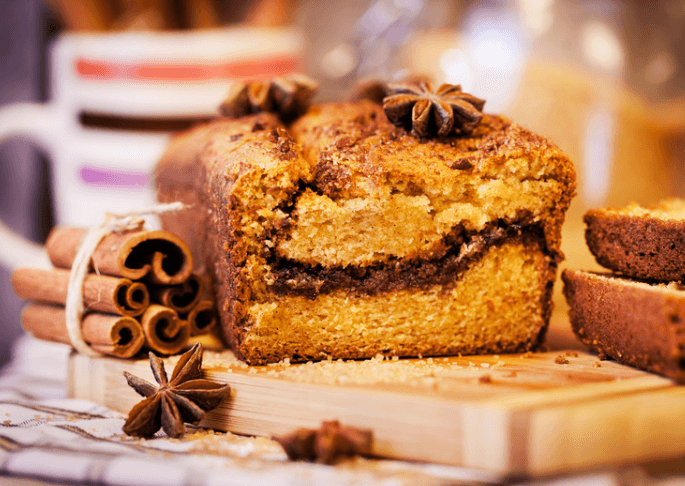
(605, 80)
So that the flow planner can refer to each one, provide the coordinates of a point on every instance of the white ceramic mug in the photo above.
(129, 77)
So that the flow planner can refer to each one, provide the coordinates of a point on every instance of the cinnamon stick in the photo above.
(182, 298)
(164, 332)
(101, 293)
(158, 256)
(119, 336)
(202, 318)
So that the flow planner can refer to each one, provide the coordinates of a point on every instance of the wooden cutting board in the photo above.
(510, 414)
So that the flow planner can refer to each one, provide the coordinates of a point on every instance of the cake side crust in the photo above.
(635, 323)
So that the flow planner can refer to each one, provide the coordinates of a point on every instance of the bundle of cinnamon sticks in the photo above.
(140, 292)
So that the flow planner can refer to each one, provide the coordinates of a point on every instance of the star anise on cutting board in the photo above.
(288, 96)
(183, 398)
(326, 444)
(442, 111)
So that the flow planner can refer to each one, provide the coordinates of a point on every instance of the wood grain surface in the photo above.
(529, 414)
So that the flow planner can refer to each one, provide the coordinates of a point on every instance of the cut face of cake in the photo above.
(344, 236)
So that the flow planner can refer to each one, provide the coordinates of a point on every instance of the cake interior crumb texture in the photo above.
(493, 307)
(344, 236)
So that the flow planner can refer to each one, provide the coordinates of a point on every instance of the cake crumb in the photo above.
(597, 364)
(513, 374)
(572, 354)
(525, 355)
(485, 379)
(561, 360)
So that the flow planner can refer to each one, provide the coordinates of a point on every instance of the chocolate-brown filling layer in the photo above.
(295, 278)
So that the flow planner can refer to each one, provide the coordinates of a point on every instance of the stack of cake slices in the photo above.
(635, 315)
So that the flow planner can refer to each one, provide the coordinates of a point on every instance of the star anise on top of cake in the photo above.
(183, 398)
(288, 96)
(441, 112)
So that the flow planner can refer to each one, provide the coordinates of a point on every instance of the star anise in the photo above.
(288, 96)
(442, 111)
(375, 90)
(326, 444)
(184, 398)
(370, 89)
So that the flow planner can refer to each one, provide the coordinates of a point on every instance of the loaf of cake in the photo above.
(635, 323)
(642, 243)
(343, 235)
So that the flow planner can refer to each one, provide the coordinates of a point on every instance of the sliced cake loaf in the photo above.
(342, 235)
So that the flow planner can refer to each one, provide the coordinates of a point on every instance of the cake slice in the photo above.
(342, 235)
(635, 323)
(643, 243)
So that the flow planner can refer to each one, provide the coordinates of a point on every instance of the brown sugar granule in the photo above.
(485, 379)
(561, 360)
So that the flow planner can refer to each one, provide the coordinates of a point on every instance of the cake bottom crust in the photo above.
(499, 304)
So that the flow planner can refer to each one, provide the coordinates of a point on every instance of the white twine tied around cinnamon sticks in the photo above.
(113, 223)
